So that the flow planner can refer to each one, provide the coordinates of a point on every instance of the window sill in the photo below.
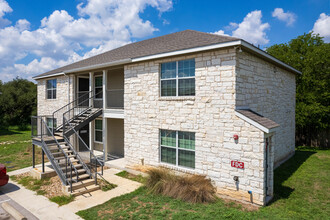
(177, 168)
(177, 98)
(97, 142)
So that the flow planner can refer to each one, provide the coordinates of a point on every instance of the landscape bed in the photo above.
(302, 191)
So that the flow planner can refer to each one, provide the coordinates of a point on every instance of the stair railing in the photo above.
(58, 114)
(39, 132)
(94, 161)
(76, 111)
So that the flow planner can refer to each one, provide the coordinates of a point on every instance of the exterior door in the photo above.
(84, 134)
(83, 89)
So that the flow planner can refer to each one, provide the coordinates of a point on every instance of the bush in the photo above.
(189, 188)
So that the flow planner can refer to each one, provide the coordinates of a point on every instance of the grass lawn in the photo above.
(16, 149)
(302, 191)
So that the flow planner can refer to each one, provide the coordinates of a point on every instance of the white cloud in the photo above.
(4, 8)
(250, 29)
(288, 17)
(322, 27)
(220, 32)
(100, 26)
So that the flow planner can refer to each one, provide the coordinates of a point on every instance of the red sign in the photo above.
(237, 164)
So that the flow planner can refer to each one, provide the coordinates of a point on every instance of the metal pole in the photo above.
(33, 156)
(43, 161)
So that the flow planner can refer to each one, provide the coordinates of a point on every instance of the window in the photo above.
(49, 122)
(177, 148)
(98, 131)
(178, 78)
(51, 89)
(98, 87)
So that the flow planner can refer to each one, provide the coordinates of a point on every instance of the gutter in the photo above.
(98, 66)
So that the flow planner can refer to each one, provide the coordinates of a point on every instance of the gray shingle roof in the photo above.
(167, 43)
(265, 122)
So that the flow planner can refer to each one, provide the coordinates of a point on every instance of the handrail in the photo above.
(75, 152)
(49, 154)
(77, 106)
(90, 152)
(74, 130)
(65, 106)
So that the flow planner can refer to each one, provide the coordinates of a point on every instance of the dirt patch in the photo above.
(241, 205)
(51, 187)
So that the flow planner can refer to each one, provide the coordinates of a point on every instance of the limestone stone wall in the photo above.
(64, 87)
(210, 114)
(270, 91)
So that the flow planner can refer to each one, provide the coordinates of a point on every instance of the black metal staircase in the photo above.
(56, 139)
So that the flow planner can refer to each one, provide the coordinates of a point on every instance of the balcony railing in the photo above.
(115, 98)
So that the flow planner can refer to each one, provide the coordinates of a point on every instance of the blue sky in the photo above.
(38, 35)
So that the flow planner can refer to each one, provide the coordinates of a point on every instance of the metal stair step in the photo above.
(83, 183)
(86, 189)
(56, 148)
(80, 172)
(77, 166)
(60, 152)
(62, 158)
(83, 176)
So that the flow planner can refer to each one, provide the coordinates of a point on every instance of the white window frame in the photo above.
(99, 142)
(176, 150)
(51, 89)
(97, 87)
(176, 79)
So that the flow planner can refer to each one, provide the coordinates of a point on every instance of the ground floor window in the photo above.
(98, 130)
(177, 148)
(51, 123)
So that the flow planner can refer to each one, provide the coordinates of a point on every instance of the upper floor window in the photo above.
(98, 87)
(178, 78)
(51, 89)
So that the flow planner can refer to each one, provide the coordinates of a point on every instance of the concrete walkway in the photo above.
(42, 208)
(99, 197)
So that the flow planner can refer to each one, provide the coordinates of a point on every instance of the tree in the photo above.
(311, 55)
(18, 102)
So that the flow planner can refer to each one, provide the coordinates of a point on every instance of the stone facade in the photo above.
(211, 115)
(64, 93)
(270, 91)
(225, 79)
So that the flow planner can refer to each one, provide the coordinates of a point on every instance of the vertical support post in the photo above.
(43, 161)
(105, 138)
(104, 82)
(33, 156)
(105, 124)
(91, 87)
(91, 124)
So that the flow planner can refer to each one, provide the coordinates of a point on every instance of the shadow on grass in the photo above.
(285, 171)
(8, 132)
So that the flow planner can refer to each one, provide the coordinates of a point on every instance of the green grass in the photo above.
(62, 200)
(105, 185)
(17, 153)
(127, 175)
(302, 191)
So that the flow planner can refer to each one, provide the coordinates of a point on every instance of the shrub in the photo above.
(189, 188)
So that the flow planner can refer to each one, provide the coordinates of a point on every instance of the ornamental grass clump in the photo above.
(189, 188)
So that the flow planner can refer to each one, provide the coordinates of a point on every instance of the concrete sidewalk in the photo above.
(98, 197)
(42, 208)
